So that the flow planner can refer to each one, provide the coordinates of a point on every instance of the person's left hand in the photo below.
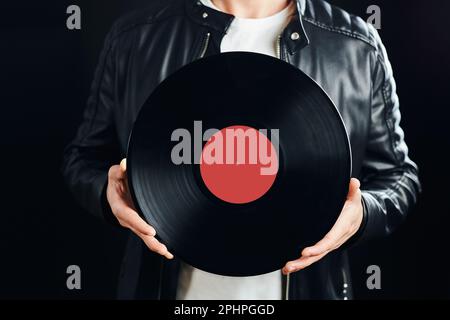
(346, 226)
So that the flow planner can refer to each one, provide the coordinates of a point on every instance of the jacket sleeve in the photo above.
(389, 180)
(94, 149)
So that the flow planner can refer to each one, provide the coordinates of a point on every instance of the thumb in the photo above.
(123, 165)
(353, 188)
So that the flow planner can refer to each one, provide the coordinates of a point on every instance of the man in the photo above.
(340, 51)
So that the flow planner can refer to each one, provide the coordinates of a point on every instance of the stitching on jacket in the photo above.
(388, 111)
(369, 130)
(340, 31)
(150, 21)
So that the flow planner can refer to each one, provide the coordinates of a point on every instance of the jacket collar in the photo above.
(294, 35)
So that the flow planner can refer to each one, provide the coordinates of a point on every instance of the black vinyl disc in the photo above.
(310, 187)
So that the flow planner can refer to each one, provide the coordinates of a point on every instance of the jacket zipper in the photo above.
(286, 293)
(205, 45)
(278, 55)
(278, 47)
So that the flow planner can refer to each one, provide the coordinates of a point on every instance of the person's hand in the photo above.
(119, 199)
(345, 227)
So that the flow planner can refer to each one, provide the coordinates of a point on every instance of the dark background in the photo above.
(45, 74)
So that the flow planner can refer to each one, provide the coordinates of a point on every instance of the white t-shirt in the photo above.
(255, 35)
(259, 36)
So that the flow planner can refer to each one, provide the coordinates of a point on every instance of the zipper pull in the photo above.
(205, 45)
(278, 47)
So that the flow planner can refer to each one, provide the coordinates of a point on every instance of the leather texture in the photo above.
(339, 51)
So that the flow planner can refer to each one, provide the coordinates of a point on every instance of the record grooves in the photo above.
(307, 195)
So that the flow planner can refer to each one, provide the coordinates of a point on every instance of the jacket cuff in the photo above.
(373, 217)
(356, 238)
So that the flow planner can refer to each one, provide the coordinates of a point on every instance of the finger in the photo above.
(338, 235)
(123, 165)
(154, 245)
(353, 188)
(328, 243)
(123, 168)
(115, 173)
(133, 221)
(302, 263)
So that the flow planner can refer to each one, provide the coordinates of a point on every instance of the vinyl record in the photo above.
(220, 217)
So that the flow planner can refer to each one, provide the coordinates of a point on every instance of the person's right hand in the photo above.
(119, 199)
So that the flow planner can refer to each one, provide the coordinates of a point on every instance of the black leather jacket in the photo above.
(340, 51)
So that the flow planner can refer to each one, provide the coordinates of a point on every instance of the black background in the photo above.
(45, 74)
